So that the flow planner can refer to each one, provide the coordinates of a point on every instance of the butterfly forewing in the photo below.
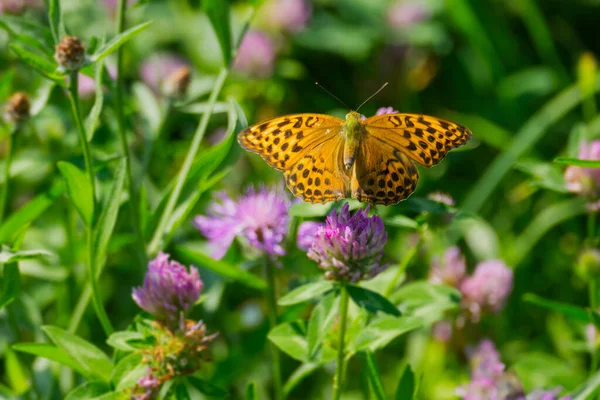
(382, 174)
(283, 141)
(426, 140)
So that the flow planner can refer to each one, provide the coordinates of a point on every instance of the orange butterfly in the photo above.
(325, 158)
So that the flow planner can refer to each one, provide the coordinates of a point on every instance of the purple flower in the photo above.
(451, 270)
(307, 232)
(260, 217)
(17, 7)
(386, 110)
(585, 181)
(486, 370)
(487, 289)
(286, 15)
(349, 247)
(382, 111)
(158, 67)
(256, 55)
(168, 289)
(540, 394)
(407, 13)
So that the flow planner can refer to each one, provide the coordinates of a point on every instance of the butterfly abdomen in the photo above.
(354, 131)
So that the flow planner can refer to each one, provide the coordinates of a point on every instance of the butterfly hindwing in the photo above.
(382, 174)
(426, 140)
(282, 141)
(319, 176)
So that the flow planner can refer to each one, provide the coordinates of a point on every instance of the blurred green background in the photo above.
(521, 74)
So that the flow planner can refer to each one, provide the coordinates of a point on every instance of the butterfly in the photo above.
(324, 158)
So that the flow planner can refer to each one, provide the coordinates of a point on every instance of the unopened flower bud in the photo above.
(588, 265)
(17, 109)
(176, 84)
(70, 53)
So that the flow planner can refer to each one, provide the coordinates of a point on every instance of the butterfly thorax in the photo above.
(353, 131)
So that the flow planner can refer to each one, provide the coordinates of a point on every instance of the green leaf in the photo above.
(52, 353)
(128, 371)
(321, 319)
(221, 268)
(406, 386)
(88, 356)
(6, 81)
(11, 284)
(118, 41)
(381, 331)
(303, 371)
(79, 190)
(289, 337)
(578, 162)
(24, 30)
(126, 340)
(9, 256)
(304, 209)
(306, 292)
(218, 13)
(165, 391)
(206, 387)
(108, 216)
(38, 63)
(251, 392)
(419, 205)
(585, 391)
(545, 175)
(91, 391)
(371, 301)
(56, 21)
(16, 373)
(91, 122)
(181, 391)
(28, 213)
(427, 301)
(401, 221)
(374, 377)
(568, 310)
(41, 97)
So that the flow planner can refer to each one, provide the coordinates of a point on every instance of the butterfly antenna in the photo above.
(373, 95)
(332, 95)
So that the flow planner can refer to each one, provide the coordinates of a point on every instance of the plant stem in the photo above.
(272, 311)
(401, 268)
(338, 380)
(10, 148)
(593, 288)
(187, 165)
(119, 105)
(89, 166)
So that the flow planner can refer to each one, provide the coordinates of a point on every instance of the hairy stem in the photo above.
(338, 380)
(10, 150)
(89, 166)
(272, 311)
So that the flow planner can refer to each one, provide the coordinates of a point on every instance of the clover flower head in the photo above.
(256, 55)
(585, 181)
(349, 247)
(407, 13)
(307, 232)
(169, 290)
(487, 289)
(260, 217)
(286, 15)
(451, 270)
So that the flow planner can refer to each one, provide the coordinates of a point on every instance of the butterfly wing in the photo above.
(319, 176)
(426, 140)
(382, 173)
(308, 148)
(283, 141)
